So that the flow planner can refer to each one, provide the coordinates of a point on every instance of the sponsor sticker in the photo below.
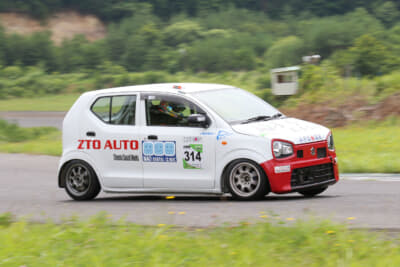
(159, 151)
(124, 157)
(207, 133)
(311, 138)
(192, 156)
(192, 139)
(222, 134)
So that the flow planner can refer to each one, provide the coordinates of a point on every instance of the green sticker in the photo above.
(188, 166)
(197, 147)
(192, 156)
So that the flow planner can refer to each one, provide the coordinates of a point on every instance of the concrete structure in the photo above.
(284, 81)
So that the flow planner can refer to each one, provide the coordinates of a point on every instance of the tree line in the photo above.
(112, 10)
(234, 39)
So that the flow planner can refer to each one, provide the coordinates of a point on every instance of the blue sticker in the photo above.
(169, 148)
(148, 148)
(207, 133)
(222, 134)
(159, 151)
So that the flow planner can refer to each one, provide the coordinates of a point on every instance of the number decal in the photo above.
(192, 156)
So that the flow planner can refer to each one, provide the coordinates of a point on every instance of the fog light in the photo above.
(281, 169)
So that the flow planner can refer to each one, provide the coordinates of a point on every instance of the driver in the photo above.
(173, 110)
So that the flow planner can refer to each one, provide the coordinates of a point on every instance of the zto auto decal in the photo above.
(159, 151)
(109, 144)
(192, 156)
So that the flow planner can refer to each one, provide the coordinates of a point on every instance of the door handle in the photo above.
(152, 137)
(91, 134)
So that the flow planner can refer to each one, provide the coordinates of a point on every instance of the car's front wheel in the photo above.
(313, 192)
(246, 180)
(81, 181)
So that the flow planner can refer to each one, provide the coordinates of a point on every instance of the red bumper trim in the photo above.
(281, 182)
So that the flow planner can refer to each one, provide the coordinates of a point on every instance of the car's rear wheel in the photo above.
(313, 192)
(81, 181)
(246, 180)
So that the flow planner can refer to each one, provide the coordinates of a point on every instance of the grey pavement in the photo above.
(28, 188)
(34, 118)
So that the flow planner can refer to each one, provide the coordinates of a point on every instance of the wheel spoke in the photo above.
(245, 179)
(78, 180)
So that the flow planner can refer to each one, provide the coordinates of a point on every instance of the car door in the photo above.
(176, 154)
(111, 137)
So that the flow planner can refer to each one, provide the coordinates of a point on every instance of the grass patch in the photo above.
(45, 103)
(368, 148)
(99, 242)
(35, 140)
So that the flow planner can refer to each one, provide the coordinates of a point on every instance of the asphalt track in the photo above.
(34, 118)
(28, 188)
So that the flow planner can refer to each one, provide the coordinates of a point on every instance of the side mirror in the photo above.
(198, 119)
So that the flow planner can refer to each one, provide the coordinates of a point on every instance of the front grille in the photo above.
(312, 175)
(321, 152)
(300, 154)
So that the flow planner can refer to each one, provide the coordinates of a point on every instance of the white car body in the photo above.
(124, 160)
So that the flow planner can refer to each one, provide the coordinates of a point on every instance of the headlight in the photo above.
(282, 149)
(331, 145)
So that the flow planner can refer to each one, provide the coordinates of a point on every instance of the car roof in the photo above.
(163, 88)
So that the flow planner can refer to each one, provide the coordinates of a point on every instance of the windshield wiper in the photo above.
(262, 118)
(277, 115)
(257, 118)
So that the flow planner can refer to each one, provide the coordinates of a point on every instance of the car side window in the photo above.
(165, 110)
(101, 108)
(117, 110)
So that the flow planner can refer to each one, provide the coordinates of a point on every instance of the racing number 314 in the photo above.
(192, 156)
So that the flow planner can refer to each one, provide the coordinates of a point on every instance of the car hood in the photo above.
(290, 129)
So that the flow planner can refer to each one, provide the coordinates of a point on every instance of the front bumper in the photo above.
(302, 171)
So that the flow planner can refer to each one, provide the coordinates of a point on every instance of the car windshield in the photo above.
(237, 106)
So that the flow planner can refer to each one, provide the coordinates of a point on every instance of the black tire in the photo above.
(313, 192)
(81, 181)
(246, 180)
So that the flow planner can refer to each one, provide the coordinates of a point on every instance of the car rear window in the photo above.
(117, 110)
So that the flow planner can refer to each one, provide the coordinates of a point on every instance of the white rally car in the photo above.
(190, 138)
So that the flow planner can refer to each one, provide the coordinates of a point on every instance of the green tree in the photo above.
(182, 32)
(70, 54)
(39, 49)
(135, 53)
(285, 52)
(387, 13)
(370, 55)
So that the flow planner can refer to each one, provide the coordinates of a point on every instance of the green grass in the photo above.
(48, 144)
(100, 242)
(369, 148)
(45, 103)
(35, 140)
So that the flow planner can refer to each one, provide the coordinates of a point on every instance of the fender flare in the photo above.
(245, 154)
(76, 155)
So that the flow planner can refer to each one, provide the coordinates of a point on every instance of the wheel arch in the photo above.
(80, 156)
(236, 156)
